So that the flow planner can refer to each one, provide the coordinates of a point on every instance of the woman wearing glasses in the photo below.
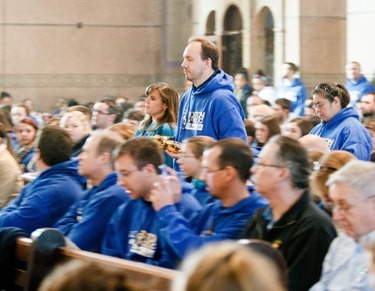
(340, 125)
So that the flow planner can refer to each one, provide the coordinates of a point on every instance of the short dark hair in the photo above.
(143, 151)
(332, 90)
(292, 66)
(4, 95)
(55, 145)
(236, 153)
(293, 155)
(113, 108)
(209, 51)
(284, 103)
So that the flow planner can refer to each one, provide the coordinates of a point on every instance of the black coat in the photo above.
(303, 235)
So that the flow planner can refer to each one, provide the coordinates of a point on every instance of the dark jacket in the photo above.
(303, 235)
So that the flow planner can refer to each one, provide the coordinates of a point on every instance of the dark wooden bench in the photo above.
(37, 257)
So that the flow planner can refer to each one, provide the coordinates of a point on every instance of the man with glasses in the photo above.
(291, 222)
(347, 264)
(134, 232)
(105, 113)
(225, 169)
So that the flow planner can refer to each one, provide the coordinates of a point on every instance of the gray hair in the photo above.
(359, 175)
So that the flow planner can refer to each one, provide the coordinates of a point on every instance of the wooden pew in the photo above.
(38, 256)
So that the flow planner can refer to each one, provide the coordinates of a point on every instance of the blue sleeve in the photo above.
(110, 245)
(88, 234)
(231, 124)
(180, 235)
(299, 106)
(65, 224)
(39, 209)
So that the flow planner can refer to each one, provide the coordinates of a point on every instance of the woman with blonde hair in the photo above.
(227, 266)
(78, 125)
(327, 165)
(190, 165)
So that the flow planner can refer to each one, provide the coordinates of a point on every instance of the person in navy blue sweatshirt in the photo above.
(209, 107)
(226, 169)
(45, 200)
(356, 84)
(340, 126)
(86, 221)
(292, 88)
(133, 232)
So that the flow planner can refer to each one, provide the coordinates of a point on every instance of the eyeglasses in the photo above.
(127, 173)
(319, 105)
(261, 165)
(318, 167)
(183, 156)
(101, 112)
(207, 171)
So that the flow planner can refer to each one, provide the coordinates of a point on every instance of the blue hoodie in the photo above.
(134, 233)
(86, 221)
(45, 200)
(212, 110)
(295, 92)
(358, 88)
(212, 223)
(345, 132)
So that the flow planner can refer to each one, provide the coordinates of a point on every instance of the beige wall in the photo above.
(320, 36)
(88, 49)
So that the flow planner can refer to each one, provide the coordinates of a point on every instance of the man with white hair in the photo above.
(346, 265)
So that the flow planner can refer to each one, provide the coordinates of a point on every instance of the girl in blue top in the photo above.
(190, 165)
(161, 108)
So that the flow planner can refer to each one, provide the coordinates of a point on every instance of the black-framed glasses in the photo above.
(208, 171)
(101, 112)
(319, 105)
(262, 165)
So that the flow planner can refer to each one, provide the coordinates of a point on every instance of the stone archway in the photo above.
(210, 24)
(232, 40)
(264, 48)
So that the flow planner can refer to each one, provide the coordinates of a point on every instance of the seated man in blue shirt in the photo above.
(46, 199)
(86, 220)
(347, 263)
(225, 169)
(133, 232)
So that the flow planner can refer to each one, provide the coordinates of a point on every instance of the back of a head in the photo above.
(284, 103)
(312, 142)
(143, 151)
(55, 145)
(293, 155)
(327, 165)
(227, 266)
(78, 275)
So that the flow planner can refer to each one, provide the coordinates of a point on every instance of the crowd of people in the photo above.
(290, 175)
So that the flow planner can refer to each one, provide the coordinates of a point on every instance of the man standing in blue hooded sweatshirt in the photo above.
(209, 107)
(292, 89)
(356, 84)
(46, 199)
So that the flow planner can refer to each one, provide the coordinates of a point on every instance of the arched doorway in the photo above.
(232, 40)
(264, 48)
(210, 24)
